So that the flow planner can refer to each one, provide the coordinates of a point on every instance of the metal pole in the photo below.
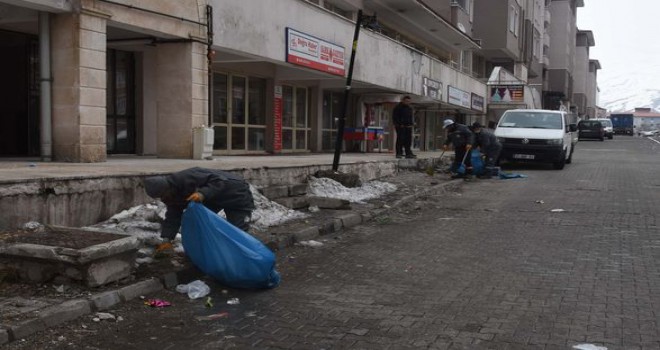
(349, 78)
(209, 56)
(45, 86)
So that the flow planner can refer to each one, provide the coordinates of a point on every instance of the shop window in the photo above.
(295, 118)
(239, 112)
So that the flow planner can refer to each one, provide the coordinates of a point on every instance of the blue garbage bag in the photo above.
(226, 253)
(477, 163)
(505, 176)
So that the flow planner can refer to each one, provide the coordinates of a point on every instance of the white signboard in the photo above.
(308, 51)
(459, 97)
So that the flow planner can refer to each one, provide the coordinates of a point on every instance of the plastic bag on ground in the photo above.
(477, 163)
(195, 289)
(225, 252)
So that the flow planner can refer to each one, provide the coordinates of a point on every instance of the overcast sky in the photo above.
(627, 43)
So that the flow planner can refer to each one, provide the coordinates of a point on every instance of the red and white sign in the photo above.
(308, 51)
(277, 138)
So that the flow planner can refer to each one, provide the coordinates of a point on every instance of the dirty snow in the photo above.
(325, 187)
(269, 213)
(143, 221)
(311, 243)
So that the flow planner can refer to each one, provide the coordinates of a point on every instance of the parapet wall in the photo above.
(81, 201)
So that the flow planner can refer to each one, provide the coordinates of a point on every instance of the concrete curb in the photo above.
(73, 309)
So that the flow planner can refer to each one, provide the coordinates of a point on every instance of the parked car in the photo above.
(591, 129)
(536, 135)
(609, 128)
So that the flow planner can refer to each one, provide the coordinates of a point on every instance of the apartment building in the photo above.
(104, 77)
(510, 33)
(561, 53)
(582, 89)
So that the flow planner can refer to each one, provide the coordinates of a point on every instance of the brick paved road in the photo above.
(485, 268)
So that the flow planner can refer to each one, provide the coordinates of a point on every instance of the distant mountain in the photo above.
(626, 91)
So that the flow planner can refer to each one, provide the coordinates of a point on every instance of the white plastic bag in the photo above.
(195, 289)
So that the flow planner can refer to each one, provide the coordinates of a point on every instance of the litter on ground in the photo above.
(557, 210)
(233, 301)
(157, 303)
(589, 347)
(195, 289)
(311, 243)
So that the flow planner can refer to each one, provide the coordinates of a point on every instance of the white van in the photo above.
(607, 124)
(535, 135)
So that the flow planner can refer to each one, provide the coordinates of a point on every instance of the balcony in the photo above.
(546, 60)
(546, 40)
(547, 16)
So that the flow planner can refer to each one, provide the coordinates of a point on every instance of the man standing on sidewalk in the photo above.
(463, 139)
(402, 116)
(216, 189)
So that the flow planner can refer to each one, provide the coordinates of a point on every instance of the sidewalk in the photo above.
(28, 309)
(17, 171)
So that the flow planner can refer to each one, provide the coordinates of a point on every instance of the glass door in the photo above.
(120, 121)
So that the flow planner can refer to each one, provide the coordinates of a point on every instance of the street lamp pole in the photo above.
(349, 78)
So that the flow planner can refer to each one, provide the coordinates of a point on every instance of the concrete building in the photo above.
(84, 79)
(561, 54)
(510, 32)
(118, 77)
(584, 92)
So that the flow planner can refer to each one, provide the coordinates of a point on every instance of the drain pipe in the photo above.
(45, 86)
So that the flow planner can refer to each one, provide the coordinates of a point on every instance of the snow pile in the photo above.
(142, 221)
(269, 213)
(325, 187)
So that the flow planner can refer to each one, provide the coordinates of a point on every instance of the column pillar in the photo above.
(79, 87)
(181, 97)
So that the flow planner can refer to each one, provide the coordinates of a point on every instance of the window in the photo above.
(295, 118)
(239, 113)
(514, 19)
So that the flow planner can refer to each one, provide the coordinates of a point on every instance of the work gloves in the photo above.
(196, 197)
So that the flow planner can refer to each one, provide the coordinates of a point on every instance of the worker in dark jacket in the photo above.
(216, 189)
(403, 120)
(487, 143)
(462, 139)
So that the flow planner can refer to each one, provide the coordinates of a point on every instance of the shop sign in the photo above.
(477, 102)
(311, 52)
(432, 88)
(507, 94)
(277, 123)
(458, 97)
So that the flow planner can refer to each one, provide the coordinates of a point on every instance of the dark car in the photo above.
(591, 129)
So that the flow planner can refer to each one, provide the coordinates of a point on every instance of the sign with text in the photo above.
(477, 102)
(311, 52)
(432, 88)
(507, 94)
(277, 122)
(458, 97)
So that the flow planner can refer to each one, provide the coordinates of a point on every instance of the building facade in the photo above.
(88, 79)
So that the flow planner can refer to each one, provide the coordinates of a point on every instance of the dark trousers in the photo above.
(492, 154)
(403, 140)
(458, 159)
(239, 218)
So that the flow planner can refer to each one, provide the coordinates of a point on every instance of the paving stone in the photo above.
(274, 192)
(298, 190)
(329, 203)
(306, 234)
(170, 280)
(350, 220)
(293, 202)
(106, 300)
(4, 336)
(141, 288)
(67, 311)
(26, 328)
